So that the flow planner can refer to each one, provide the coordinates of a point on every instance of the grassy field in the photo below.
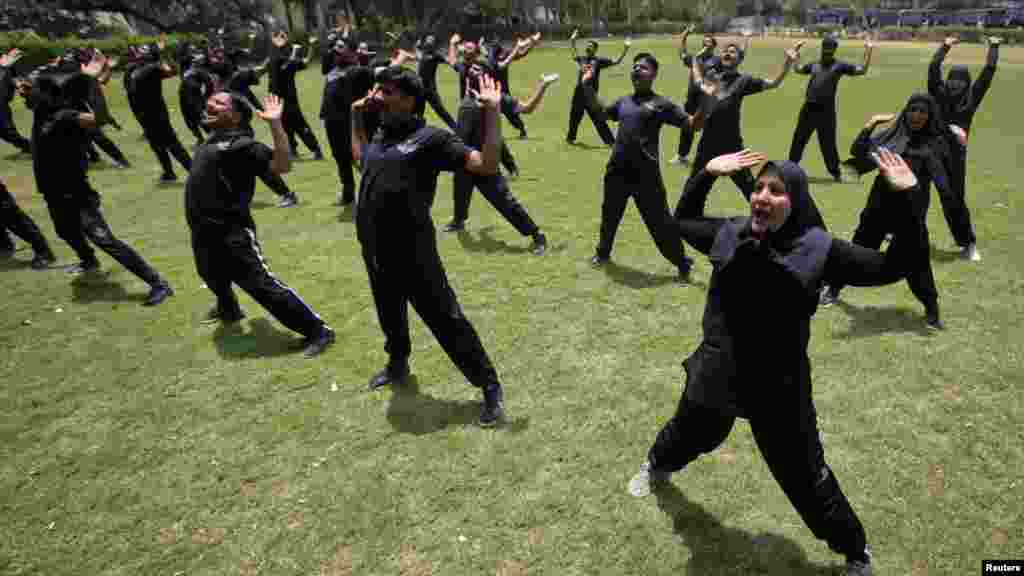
(135, 441)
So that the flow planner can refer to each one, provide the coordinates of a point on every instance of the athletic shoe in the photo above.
(933, 320)
(549, 78)
(838, 177)
(598, 261)
(828, 297)
(85, 268)
(540, 244)
(523, 135)
(454, 226)
(122, 165)
(859, 566)
(318, 155)
(970, 252)
(513, 174)
(169, 178)
(158, 294)
(317, 344)
(684, 272)
(216, 316)
(288, 200)
(494, 405)
(646, 479)
(43, 261)
(394, 372)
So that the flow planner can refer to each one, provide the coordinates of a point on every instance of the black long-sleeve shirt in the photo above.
(343, 86)
(640, 118)
(598, 63)
(144, 85)
(220, 186)
(6, 85)
(723, 119)
(821, 87)
(282, 79)
(426, 67)
(961, 111)
(928, 169)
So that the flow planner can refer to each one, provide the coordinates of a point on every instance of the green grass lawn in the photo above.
(134, 441)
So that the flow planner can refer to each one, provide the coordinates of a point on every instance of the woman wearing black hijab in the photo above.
(920, 137)
(959, 99)
(752, 362)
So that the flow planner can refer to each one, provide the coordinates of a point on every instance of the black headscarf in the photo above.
(929, 143)
(951, 101)
(54, 90)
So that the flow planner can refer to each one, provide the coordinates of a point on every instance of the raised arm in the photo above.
(625, 48)
(572, 43)
(593, 100)
(868, 48)
(453, 53)
(683, 54)
(935, 66)
(359, 137)
(792, 55)
(981, 85)
(485, 162)
(280, 162)
(696, 229)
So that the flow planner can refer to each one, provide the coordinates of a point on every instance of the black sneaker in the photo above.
(122, 164)
(43, 261)
(598, 261)
(158, 294)
(494, 405)
(168, 178)
(7, 252)
(288, 200)
(454, 226)
(828, 297)
(933, 321)
(523, 135)
(540, 244)
(216, 316)
(318, 155)
(394, 372)
(685, 267)
(317, 344)
(85, 268)
(859, 566)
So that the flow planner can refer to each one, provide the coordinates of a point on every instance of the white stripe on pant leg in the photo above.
(263, 263)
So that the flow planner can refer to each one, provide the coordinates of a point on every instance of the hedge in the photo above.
(39, 50)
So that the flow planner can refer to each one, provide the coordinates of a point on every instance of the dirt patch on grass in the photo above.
(22, 187)
(952, 393)
(296, 520)
(727, 456)
(411, 564)
(248, 488)
(248, 568)
(920, 568)
(535, 536)
(936, 481)
(1000, 536)
(340, 564)
(167, 536)
(209, 536)
(280, 488)
(510, 568)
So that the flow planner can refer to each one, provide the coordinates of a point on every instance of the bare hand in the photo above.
(951, 40)
(490, 92)
(894, 169)
(881, 119)
(794, 52)
(455, 39)
(575, 34)
(11, 57)
(162, 42)
(961, 135)
(95, 66)
(868, 44)
(272, 108)
(730, 163)
(536, 37)
(365, 103)
(994, 40)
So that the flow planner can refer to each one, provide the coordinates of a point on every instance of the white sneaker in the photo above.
(970, 252)
(640, 485)
(549, 78)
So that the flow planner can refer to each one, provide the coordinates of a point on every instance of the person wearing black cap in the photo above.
(819, 110)
(8, 131)
(918, 134)
(633, 167)
(143, 83)
(344, 84)
(959, 99)
(282, 83)
(471, 129)
(579, 101)
(710, 63)
(752, 361)
(218, 192)
(721, 132)
(60, 131)
(14, 219)
(400, 166)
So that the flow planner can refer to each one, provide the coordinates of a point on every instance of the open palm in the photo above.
(272, 108)
(731, 163)
(894, 169)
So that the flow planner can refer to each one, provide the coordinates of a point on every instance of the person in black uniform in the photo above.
(343, 85)
(919, 136)
(60, 132)
(283, 69)
(197, 84)
(499, 59)
(8, 131)
(218, 192)
(14, 219)
(428, 57)
(819, 109)
(959, 99)
(471, 130)
(144, 78)
(579, 101)
(710, 64)
(721, 132)
(633, 167)
(752, 362)
(399, 169)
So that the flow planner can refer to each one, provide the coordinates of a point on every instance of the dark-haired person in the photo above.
(8, 131)
(345, 83)
(919, 135)
(499, 59)
(633, 169)
(14, 219)
(60, 132)
(959, 99)
(471, 129)
(197, 83)
(752, 361)
(579, 101)
(428, 57)
(284, 65)
(143, 81)
(721, 132)
(819, 110)
(400, 166)
(709, 62)
(218, 193)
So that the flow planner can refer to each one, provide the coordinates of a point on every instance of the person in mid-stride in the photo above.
(399, 167)
(752, 362)
(590, 61)
(218, 193)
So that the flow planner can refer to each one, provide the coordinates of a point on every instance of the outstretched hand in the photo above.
(575, 34)
(272, 108)
(960, 133)
(162, 42)
(729, 163)
(455, 39)
(794, 52)
(490, 92)
(12, 56)
(894, 169)
(951, 40)
(878, 119)
(95, 66)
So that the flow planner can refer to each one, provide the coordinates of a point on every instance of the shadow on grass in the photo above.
(486, 242)
(263, 340)
(638, 279)
(9, 262)
(944, 256)
(260, 205)
(717, 549)
(101, 289)
(870, 321)
(587, 146)
(412, 412)
(347, 213)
